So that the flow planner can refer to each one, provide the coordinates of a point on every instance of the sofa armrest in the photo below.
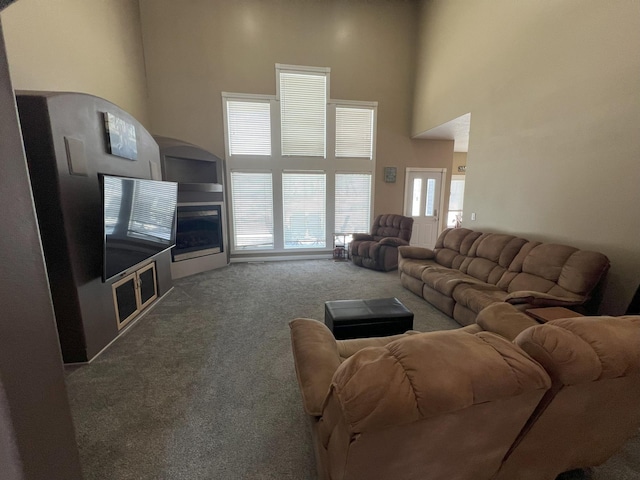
(361, 237)
(316, 358)
(505, 320)
(539, 299)
(419, 253)
(393, 242)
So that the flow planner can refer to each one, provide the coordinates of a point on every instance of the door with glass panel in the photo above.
(422, 202)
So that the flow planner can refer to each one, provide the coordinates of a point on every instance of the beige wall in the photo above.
(195, 49)
(88, 46)
(553, 88)
(459, 160)
(37, 438)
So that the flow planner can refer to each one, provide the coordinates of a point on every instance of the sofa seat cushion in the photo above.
(476, 297)
(415, 267)
(445, 280)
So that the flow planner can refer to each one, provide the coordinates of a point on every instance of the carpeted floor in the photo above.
(203, 386)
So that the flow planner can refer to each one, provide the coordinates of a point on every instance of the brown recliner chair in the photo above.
(379, 250)
(437, 405)
(592, 408)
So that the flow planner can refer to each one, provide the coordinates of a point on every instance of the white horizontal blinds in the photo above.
(303, 105)
(457, 195)
(252, 210)
(353, 202)
(304, 200)
(249, 127)
(153, 210)
(354, 132)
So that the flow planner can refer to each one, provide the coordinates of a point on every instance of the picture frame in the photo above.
(390, 174)
(121, 137)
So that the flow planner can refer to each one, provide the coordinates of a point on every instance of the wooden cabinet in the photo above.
(133, 293)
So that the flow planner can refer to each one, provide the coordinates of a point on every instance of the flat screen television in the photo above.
(139, 221)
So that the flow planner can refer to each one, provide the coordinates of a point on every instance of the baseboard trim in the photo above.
(122, 332)
(278, 258)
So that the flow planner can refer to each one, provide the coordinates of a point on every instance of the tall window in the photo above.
(252, 210)
(303, 200)
(456, 197)
(303, 113)
(249, 127)
(316, 159)
(354, 132)
(353, 202)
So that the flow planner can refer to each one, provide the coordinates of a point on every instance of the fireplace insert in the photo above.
(199, 231)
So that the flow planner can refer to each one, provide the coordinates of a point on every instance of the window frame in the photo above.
(278, 164)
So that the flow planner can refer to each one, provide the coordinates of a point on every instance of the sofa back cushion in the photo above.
(422, 403)
(558, 270)
(515, 264)
(592, 408)
(392, 225)
(453, 245)
(485, 256)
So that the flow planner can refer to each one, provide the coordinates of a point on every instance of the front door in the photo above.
(422, 202)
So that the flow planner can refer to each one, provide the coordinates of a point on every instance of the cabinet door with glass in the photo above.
(133, 293)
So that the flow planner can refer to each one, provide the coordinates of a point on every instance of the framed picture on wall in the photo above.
(121, 137)
(390, 174)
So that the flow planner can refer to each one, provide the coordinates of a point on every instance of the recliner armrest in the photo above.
(539, 299)
(361, 237)
(419, 253)
(316, 358)
(393, 242)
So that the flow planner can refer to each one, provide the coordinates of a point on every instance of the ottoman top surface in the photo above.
(367, 309)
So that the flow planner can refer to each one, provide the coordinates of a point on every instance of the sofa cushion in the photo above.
(415, 268)
(477, 297)
(445, 280)
(474, 368)
(585, 349)
(392, 225)
(560, 270)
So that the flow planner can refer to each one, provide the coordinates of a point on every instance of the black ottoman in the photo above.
(367, 318)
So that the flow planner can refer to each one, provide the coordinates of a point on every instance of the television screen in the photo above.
(139, 221)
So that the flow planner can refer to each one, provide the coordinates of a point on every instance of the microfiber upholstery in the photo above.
(470, 403)
(594, 365)
(467, 271)
(430, 374)
(413, 405)
(379, 250)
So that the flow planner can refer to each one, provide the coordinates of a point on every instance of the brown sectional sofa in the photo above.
(468, 403)
(468, 271)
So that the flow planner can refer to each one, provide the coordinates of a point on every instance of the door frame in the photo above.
(443, 171)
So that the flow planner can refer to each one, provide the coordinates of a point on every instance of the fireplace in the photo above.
(199, 231)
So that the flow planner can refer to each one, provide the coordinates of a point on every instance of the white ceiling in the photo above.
(456, 130)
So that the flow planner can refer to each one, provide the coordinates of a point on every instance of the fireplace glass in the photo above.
(199, 231)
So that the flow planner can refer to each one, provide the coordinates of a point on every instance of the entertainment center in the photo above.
(107, 258)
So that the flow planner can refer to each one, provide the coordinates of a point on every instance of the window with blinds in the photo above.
(252, 210)
(353, 202)
(303, 201)
(354, 132)
(249, 127)
(456, 200)
(303, 105)
(286, 134)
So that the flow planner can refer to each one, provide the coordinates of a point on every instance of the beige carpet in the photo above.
(203, 387)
